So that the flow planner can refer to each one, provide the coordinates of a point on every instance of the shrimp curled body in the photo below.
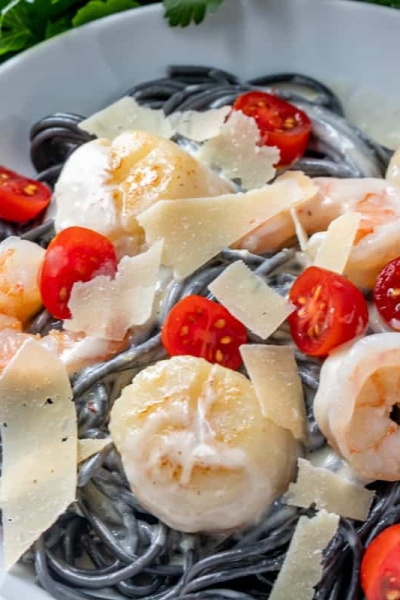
(378, 238)
(75, 350)
(359, 388)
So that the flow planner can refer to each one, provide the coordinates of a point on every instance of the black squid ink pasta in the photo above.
(132, 554)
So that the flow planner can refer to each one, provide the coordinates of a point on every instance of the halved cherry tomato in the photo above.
(387, 293)
(329, 311)
(21, 199)
(380, 567)
(203, 328)
(280, 123)
(75, 254)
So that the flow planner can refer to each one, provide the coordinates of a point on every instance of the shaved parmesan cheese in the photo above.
(275, 377)
(90, 446)
(39, 434)
(302, 568)
(127, 115)
(327, 458)
(194, 230)
(200, 126)
(83, 352)
(124, 115)
(106, 308)
(250, 300)
(300, 231)
(336, 246)
(237, 153)
(327, 490)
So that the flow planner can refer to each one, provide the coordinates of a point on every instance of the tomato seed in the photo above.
(220, 323)
(30, 189)
(219, 357)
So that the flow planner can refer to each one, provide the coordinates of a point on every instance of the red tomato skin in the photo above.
(75, 254)
(380, 566)
(280, 123)
(387, 292)
(21, 198)
(340, 311)
(199, 327)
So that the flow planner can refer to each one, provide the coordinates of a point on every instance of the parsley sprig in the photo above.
(24, 23)
(184, 12)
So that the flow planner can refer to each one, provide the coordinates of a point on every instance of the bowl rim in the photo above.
(155, 11)
(134, 13)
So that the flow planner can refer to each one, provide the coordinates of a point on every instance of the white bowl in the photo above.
(83, 70)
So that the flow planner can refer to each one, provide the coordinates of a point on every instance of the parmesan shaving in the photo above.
(124, 115)
(236, 152)
(302, 567)
(275, 377)
(106, 308)
(329, 491)
(127, 115)
(194, 230)
(336, 246)
(39, 433)
(200, 126)
(300, 231)
(88, 447)
(250, 300)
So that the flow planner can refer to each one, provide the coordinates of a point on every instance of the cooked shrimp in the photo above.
(7, 322)
(277, 231)
(378, 239)
(359, 388)
(19, 265)
(74, 349)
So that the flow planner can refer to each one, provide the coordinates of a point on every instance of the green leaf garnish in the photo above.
(24, 23)
(185, 12)
(95, 9)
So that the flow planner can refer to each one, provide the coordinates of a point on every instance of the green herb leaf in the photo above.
(184, 12)
(96, 9)
(17, 30)
(392, 3)
(57, 27)
(61, 9)
(13, 41)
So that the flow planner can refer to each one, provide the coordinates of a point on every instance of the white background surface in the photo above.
(88, 68)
